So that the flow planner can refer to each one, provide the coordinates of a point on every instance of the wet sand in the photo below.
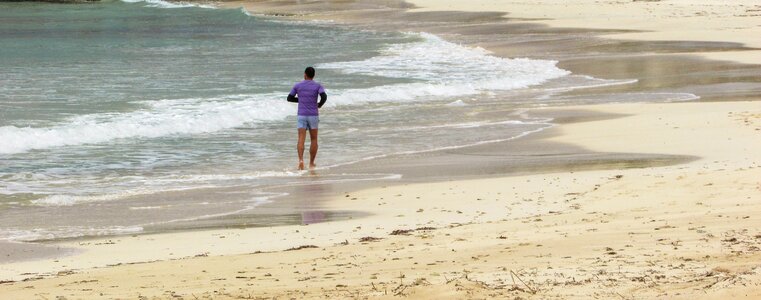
(617, 201)
(14, 252)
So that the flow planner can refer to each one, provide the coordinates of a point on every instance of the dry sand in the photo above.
(689, 230)
(734, 21)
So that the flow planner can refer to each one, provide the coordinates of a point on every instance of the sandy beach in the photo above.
(681, 231)
(617, 201)
(676, 20)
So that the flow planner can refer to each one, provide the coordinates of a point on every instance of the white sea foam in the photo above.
(56, 200)
(456, 69)
(643, 97)
(578, 82)
(224, 177)
(170, 117)
(444, 69)
(28, 235)
(461, 125)
(369, 177)
(69, 200)
(148, 207)
(457, 103)
(167, 4)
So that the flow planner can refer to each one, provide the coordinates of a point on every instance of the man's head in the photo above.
(309, 73)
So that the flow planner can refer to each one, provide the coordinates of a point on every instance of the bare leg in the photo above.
(300, 146)
(312, 147)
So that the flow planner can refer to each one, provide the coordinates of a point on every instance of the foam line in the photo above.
(443, 69)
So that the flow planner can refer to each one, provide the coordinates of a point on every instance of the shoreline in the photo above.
(652, 21)
(660, 66)
(642, 215)
(475, 223)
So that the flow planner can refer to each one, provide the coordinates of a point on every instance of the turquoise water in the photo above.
(123, 88)
(103, 102)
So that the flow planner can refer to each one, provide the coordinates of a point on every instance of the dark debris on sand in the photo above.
(302, 247)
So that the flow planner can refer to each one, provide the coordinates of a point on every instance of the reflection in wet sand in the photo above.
(310, 217)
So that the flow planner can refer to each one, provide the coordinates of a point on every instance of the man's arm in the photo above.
(292, 95)
(323, 99)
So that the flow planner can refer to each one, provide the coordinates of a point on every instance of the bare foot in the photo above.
(312, 166)
(301, 165)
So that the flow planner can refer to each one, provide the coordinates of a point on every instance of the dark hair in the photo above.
(309, 72)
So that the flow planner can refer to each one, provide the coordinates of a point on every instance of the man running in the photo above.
(305, 94)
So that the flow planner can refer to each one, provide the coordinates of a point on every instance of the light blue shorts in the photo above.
(308, 122)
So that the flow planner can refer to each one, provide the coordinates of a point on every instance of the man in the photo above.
(305, 93)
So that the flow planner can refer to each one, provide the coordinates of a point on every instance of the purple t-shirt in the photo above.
(307, 91)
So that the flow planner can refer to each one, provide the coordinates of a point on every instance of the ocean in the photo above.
(107, 108)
